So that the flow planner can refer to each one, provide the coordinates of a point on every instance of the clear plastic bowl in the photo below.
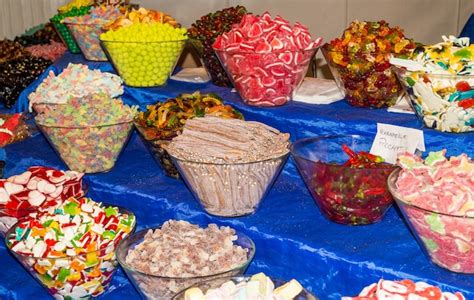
(160, 287)
(216, 283)
(211, 63)
(266, 79)
(144, 64)
(158, 152)
(88, 149)
(92, 281)
(371, 84)
(437, 102)
(66, 37)
(230, 190)
(447, 240)
(350, 196)
(86, 37)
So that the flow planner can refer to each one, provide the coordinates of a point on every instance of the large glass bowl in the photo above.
(144, 64)
(88, 149)
(230, 190)
(447, 240)
(345, 195)
(266, 79)
(86, 37)
(160, 287)
(66, 37)
(216, 283)
(157, 149)
(367, 83)
(72, 277)
(436, 100)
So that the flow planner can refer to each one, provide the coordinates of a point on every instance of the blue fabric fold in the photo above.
(292, 238)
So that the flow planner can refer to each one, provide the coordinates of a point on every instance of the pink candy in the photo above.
(266, 58)
(51, 51)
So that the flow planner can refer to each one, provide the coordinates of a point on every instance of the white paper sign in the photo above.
(392, 140)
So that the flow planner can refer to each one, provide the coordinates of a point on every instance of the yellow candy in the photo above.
(74, 277)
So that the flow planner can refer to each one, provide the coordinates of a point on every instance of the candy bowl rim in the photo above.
(402, 202)
(244, 278)
(104, 41)
(327, 137)
(84, 126)
(324, 48)
(398, 69)
(66, 257)
(127, 267)
(315, 49)
(282, 156)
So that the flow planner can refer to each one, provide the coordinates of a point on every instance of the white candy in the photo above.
(61, 263)
(78, 292)
(32, 184)
(35, 198)
(12, 188)
(59, 246)
(87, 207)
(4, 197)
(39, 248)
(63, 219)
(46, 187)
(57, 192)
(21, 179)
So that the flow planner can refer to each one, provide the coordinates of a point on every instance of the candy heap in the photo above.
(360, 60)
(444, 102)
(266, 58)
(165, 120)
(74, 4)
(70, 248)
(12, 129)
(10, 50)
(51, 51)
(141, 15)
(145, 54)
(203, 34)
(61, 28)
(86, 30)
(404, 290)
(229, 164)
(88, 132)
(75, 81)
(42, 34)
(258, 286)
(444, 190)
(37, 188)
(363, 159)
(181, 250)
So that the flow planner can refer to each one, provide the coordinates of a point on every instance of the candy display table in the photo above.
(292, 238)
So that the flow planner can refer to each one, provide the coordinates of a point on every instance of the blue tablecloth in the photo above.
(292, 238)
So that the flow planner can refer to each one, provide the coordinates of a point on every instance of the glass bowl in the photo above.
(157, 151)
(66, 37)
(144, 64)
(447, 240)
(72, 277)
(211, 63)
(436, 100)
(87, 38)
(217, 282)
(350, 196)
(230, 190)
(88, 149)
(266, 79)
(159, 287)
(365, 78)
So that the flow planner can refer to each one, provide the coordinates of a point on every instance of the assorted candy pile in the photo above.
(75, 81)
(141, 15)
(359, 61)
(363, 159)
(404, 290)
(42, 34)
(165, 120)
(12, 129)
(145, 54)
(437, 197)
(10, 50)
(440, 83)
(258, 286)
(74, 4)
(51, 51)
(89, 132)
(61, 28)
(267, 58)
(70, 248)
(38, 188)
(87, 28)
(203, 34)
